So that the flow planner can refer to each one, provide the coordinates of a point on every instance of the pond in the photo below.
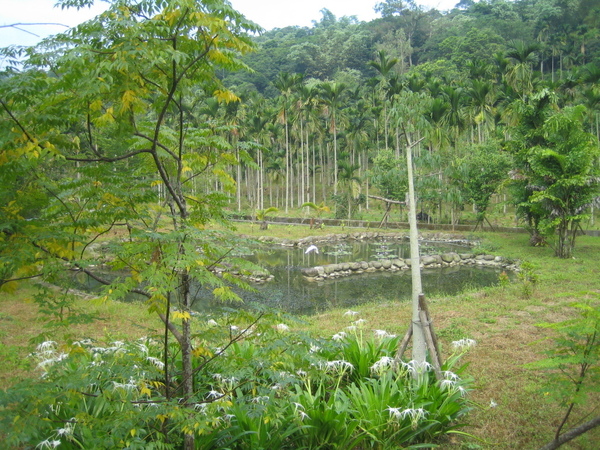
(291, 292)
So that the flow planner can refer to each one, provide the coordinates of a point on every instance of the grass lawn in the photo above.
(502, 319)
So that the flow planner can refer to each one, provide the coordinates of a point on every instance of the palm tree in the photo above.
(256, 128)
(384, 66)
(436, 115)
(455, 117)
(349, 182)
(306, 103)
(331, 95)
(478, 69)
(285, 83)
(591, 100)
(262, 216)
(481, 97)
(523, 58)
(415, 83)
(318, 210)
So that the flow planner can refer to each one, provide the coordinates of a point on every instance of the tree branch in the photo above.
(9, 280)
(572, 434)
(158, 144)
(387, 200)
(17, 26)
(110, 160)
(15, 120)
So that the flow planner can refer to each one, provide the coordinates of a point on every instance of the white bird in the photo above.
(312, 248)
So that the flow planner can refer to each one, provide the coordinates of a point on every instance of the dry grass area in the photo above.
(501, 319)
(21, 325)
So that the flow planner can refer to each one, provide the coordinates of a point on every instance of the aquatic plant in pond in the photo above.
(339, 250)
(383, 251)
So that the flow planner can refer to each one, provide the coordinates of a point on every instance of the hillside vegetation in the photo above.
(128, 142)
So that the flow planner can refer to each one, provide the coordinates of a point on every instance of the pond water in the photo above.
(291, 292)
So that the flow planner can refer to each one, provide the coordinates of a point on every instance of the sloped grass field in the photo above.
(513, 410)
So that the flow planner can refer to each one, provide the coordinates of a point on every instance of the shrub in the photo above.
(257, 386)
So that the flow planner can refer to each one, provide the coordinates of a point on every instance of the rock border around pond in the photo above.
(365, 235)
(329, 271)
(449, 259)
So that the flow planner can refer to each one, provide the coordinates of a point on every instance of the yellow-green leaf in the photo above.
(182, 315)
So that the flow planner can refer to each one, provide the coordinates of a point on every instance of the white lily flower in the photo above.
(463, 344)
(282, 327)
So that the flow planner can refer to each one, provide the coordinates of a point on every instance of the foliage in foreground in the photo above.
(572, 368)
(273, 389)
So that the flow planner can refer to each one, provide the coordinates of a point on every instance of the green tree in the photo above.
(388, 175)
(564, 166)
(332, 96)
(286, 83)
(384, 67)
(520, 75)
(557, 171)
(349, 185)
(482, 101)
(318, 211)
(111, 136)
(480, 173)
(572, 371)
(262, 216)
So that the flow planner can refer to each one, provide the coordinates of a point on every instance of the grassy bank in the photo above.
(22, 324)
(502, 319)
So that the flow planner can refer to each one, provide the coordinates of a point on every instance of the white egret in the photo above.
(312, 248)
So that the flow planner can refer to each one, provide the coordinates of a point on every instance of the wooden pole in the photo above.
(424, 307)
(431, 341)
(435, 361)
(404, 343)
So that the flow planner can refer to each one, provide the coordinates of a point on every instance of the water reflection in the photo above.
(290, 292)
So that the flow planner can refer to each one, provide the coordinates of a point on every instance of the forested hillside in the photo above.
(442, 43)
(496, 97)
(340, 101)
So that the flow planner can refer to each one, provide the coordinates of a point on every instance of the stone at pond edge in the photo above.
(449, 259)
(428, 260)
(310, 272)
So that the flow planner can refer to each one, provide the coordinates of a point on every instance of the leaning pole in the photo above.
(418, 336)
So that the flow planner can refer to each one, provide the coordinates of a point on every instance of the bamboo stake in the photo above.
(435, 361)
(424, 307)
(404, 343)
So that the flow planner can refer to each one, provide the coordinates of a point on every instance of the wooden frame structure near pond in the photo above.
(388, 207)
(430, 338)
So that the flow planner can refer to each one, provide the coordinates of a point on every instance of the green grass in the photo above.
(21, 324)
(498, 214)
(502, 319)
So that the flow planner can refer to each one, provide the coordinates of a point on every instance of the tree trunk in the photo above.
(419, 345)
(287, 165)
(335, 168)
(238, 191)
(566, 239)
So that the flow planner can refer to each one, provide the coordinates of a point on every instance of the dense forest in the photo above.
(323, 114)
(341, 100)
